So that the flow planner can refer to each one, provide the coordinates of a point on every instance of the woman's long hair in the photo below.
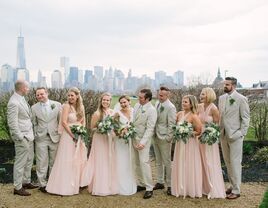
(193, 102)
(100, 107)
(79, 107)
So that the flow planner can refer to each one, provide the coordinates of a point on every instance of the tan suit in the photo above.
(45, 120)
(166, 116)
(19, 121)
(234, 124)
(144, 120)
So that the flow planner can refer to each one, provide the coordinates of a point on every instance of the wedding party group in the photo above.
(119, 158)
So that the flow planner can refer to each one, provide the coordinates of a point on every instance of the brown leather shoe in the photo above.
(159, 186)
(228, 191)
(43, 189)
(169, 191)
(29, 186)
(22, 192)
(233, 196)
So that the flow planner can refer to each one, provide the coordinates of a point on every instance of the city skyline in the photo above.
(150, 36)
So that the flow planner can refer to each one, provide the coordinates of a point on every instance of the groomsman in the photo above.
(234, 111)
(144, 120)
(166, 116)
(46, 114)
(21, 130)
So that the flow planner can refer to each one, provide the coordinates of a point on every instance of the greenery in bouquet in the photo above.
(211, 134)
(182, 131)
(106, 125)
(127, 132)
(80, 131)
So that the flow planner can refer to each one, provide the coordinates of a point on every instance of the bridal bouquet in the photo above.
(127, 132)
(106, 125)
(182, 131)
(211, 134)
(79, 131)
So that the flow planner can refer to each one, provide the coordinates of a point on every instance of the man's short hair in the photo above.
(232, 79)
(164, 88)
(19, 84)
(147, 93)
(41, 88)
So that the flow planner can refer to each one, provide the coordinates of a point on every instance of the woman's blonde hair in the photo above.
(193, 102)
(79, 107)
(210, 93)
(100, 107)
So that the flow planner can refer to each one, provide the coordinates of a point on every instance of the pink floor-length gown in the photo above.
(213, 184)
(69, 162)
(100, 170)
(186, 172)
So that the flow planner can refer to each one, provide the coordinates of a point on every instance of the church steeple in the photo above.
(219, 73)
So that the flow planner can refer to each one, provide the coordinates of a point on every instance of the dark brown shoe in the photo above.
(21, 192)
(233, 196)
(148, 194)
(159, 186)
(29, 186)
(228, 191)
(43, 189)
(169, 191)
(140, 188)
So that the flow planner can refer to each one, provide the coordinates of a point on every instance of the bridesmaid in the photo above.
(70, 158)
(213, 184)
(100, 171)
(186, 172)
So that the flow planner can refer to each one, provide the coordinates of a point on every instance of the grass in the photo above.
(264, 203)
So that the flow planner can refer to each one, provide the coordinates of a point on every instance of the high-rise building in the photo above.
(65, 68)
(178, 78)
(21, 62)
(160, 78)
(56, 79)
(73, 76)
(98, 72)
(7, 77)
(23, 74)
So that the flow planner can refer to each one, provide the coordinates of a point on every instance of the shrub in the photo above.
(247, 148)
(261, 155)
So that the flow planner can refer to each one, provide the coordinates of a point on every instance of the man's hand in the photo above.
(140, 146)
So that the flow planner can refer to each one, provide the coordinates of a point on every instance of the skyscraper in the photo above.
(178, 78)
(21, 62)
(65, 68)
(56, 79)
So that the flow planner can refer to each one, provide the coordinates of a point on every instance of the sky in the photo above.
(146, 36)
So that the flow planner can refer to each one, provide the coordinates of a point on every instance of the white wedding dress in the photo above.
(124, 162)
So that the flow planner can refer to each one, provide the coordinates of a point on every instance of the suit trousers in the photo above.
(24, 154)
(232, 150)
(45, 151)
(162, 150)
(143, 167)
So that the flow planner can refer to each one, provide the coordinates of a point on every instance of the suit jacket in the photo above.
(19, 118)
(235, 117)
(165, 120)
(144, 121)
(46, 124)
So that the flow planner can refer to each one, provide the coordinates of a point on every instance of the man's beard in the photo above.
(227, 90)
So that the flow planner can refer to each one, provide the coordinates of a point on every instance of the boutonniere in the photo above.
(231, 101)
(52, 106)
(162, 109)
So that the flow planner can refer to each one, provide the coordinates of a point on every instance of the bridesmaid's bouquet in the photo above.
(79, 131)
(211, 134)
(182, 131)
(106, 125)
(127, 132)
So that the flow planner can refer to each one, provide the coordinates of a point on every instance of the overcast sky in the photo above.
(194, 36)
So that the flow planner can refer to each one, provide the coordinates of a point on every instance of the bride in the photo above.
(124, 171)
